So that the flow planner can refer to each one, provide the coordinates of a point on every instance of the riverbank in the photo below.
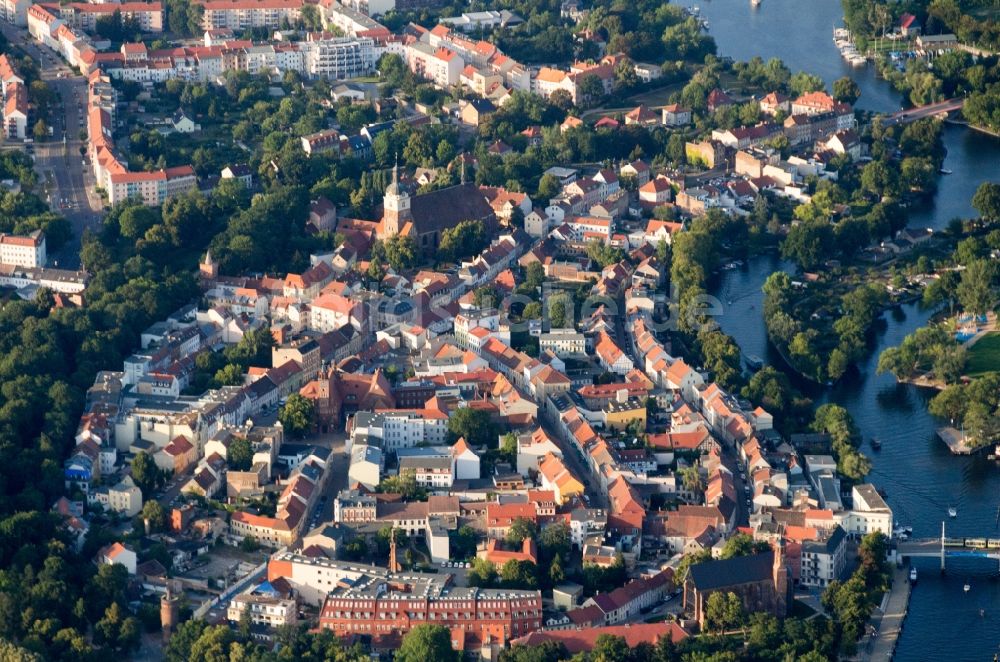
(888, 620)
(921, 478)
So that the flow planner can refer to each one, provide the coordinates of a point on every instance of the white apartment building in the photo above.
(23, 251)
(340, 58)
(402, 428)
(84, 15)
(438, 65)
(266, 610)
(15, 11)
(314, 578)
(473, 328)
(125, 498)
(824, 560)
(152, 188)
(15, 112)
(243, 14)
(563, 342)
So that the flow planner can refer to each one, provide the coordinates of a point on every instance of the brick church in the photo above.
(426, 217)
(760, 581)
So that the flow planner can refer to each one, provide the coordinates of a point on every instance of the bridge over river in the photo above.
(919, 112)
(945, 547)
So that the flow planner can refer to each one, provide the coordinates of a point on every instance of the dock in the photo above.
(888, 620)
(957, 442)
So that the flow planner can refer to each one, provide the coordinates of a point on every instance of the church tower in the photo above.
(780, 578)
(396, 206)
(208, 269)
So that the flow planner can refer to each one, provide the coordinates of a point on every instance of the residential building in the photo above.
(23, 251)
(265, 605)
(117, 553)
(824, 560)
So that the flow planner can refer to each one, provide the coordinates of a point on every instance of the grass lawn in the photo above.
(984, 356)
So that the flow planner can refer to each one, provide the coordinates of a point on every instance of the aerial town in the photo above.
(424, 331)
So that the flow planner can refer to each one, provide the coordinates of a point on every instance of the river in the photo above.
(920, 477)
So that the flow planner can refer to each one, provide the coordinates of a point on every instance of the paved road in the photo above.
(62, 174)
(338, 465)
(577, 466)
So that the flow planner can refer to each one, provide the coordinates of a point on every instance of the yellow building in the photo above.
(619, 415)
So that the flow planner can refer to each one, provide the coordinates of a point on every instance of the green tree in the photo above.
(154, 513)
(475, 425)
(240, 454)
(519, 575)
(986, 201)
(611, 648)
(41, 130)
(743, 544)
(426, 642)
(975, 290)
(723, 611)
(560, 310)
(548, 187)
(520, 529)
(556, 574)
(846, 90)
(508, 447)
(297, 415)
(145, 473)
(691, 480)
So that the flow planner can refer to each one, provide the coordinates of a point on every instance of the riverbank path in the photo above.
(888, 624)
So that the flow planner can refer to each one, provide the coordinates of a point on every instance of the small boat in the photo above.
(876, 443)
(755, 3)
(913, 575)
(754, 362)
(952, 512)
(945, 171)
(966, 588)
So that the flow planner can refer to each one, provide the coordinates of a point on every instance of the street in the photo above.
(61, 172)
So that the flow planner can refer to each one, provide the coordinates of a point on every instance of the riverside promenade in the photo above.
(888, 624)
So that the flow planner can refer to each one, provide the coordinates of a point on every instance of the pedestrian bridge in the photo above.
(944, 547)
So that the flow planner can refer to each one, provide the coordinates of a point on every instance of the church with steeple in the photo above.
(426, 217)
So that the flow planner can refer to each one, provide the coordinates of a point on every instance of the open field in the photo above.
(984, 356)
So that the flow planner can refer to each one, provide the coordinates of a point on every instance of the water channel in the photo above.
(920, 477)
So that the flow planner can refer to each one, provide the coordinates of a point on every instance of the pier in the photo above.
(957, 442)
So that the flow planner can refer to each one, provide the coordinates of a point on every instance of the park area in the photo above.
(984, 356)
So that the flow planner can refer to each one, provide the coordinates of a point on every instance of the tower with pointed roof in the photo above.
(396, 206)
(208, 269)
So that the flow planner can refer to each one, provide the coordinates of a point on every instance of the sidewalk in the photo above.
(889, 623)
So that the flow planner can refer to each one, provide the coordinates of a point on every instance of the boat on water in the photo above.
(945, 171)
(876, 443)
(913, 575)
(952, 512)
(755, 3)
(966, 588)
(754, 362)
